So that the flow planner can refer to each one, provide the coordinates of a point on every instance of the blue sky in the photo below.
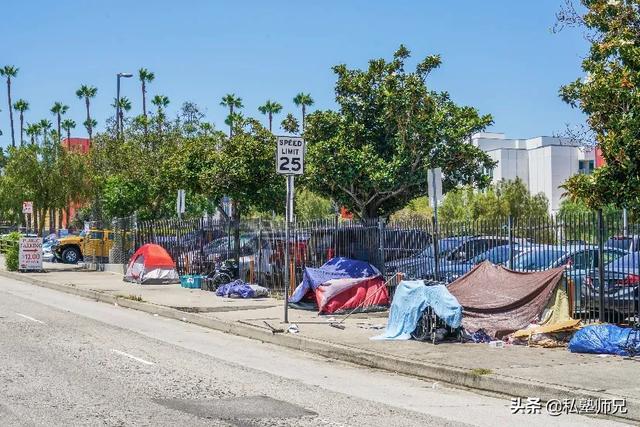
(498, 55)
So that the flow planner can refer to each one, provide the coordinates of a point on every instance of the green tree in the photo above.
(67, 125)
(9, 72)
(122, 105)
(303, 100)
(290, 124)
(58, 110)
(145, 77)
(45, 126)
(503, 199)
(270, 108)
(21, 106)
(417, 209)
(232, 102)
(607, 95)
(33, 131)
(372, 155)
(161, 102)
(87, 92)
(310, 206)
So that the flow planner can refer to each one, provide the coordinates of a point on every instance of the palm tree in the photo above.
(10, 71)
(44, 125)
(123, 104)
(58, 110)
(270, 108)
(161, 102)
(303, 100)
(145, 77)
(67, 125)
(33, 131)
(231, 101)
(21, 106)
(87, 92)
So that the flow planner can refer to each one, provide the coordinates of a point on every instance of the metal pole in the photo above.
(118, 108)
(287, 231)
(436, 267)
(625, 222)
(601, 266)
(510, 231)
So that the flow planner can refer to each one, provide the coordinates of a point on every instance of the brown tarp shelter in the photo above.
(502, 301)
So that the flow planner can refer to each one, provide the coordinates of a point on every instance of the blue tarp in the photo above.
(240, 289)
(410, 300)
(336, 268)
(606, 339)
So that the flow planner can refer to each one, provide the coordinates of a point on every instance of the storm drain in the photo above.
(237, 408)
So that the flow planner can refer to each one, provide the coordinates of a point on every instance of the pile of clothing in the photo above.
(241, 289)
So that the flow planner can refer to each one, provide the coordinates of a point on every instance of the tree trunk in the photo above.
(59, 128)
(144, 106)
(270, 120)
(13, 137)
(304, 113)
(21, 128)
(42, 216)
(34, 216)
(89, 126)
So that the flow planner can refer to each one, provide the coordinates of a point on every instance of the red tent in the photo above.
(151, 264)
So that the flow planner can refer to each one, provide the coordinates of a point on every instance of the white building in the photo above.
(543, 163)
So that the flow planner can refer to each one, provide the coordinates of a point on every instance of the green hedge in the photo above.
(11, 251)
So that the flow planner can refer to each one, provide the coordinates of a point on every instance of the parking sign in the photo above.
(27, 207)
(290, 155)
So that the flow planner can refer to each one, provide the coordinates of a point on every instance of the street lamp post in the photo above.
(125, 75)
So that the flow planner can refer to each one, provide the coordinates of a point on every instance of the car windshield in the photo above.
(537, 259)
(627, 262)
(497, 255)
(444, 246)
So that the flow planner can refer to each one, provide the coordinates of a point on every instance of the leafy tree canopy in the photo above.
(608, 95)
(372, 155)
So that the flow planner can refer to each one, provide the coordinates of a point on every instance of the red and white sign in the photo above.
(30, 254)
(27, 207)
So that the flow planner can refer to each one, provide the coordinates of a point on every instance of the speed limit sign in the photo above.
(290, 155)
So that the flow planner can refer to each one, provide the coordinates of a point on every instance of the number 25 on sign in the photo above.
(290, 155)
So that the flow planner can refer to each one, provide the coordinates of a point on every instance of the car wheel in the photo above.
(71, 256)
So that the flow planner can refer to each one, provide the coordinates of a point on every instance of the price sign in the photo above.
(30, 254)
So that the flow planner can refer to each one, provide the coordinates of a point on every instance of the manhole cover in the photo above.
(236, 408)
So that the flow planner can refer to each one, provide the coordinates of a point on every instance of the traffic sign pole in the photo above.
(290, 162)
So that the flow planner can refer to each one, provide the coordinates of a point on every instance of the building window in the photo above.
(585, 166)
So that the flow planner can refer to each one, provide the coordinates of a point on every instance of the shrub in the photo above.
(11, 256)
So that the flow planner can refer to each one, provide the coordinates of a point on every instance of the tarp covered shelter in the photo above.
(501, 301)
(410, 300)
(151, 264)
(341, 285)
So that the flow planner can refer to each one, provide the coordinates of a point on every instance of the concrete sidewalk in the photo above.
(513, 370)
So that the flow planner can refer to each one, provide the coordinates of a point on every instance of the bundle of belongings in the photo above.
(606, 339)
(489, 302)
(341, 285)
(531, 307)
(240, 289)
(411, 299)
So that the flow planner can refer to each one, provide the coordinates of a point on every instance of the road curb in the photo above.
(493, 383)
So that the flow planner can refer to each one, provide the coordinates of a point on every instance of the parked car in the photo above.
(455, 256)
(579, 261)
(498, 255)
(95, 244)
(628, 243)
(621, 288)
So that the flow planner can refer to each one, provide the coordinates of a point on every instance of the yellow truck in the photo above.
(92, 245)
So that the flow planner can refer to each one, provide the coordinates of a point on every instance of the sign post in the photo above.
(290, 152)
(27, 209)
(30, 254)
(180, 203)
(434, 186)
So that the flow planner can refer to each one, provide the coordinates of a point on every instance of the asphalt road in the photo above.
(66, 361)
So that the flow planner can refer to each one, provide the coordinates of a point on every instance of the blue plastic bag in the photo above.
(606, 339)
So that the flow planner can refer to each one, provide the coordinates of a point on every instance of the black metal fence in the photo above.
(599, 252)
